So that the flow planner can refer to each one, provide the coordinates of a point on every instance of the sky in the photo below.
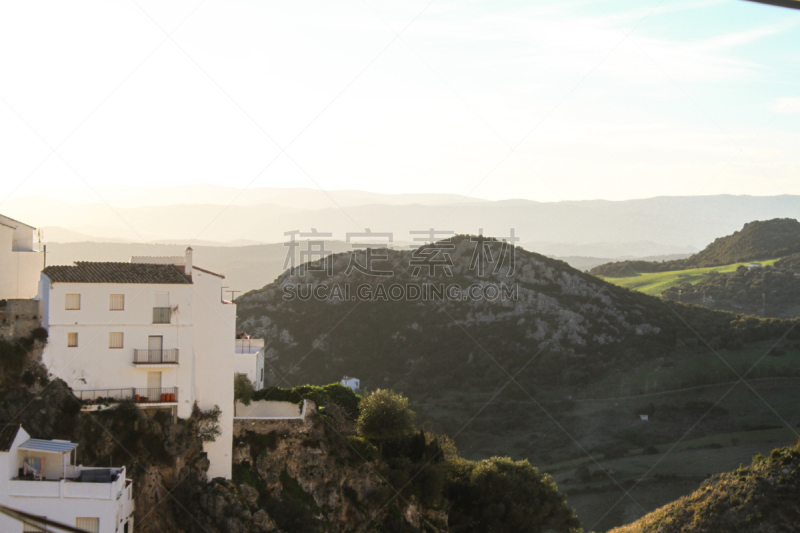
(545, 101)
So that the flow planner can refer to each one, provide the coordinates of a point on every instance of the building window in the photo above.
(73, 302)
(88, 524)
(72, 340)
(31, 528)
(117, 302)
(115, 340)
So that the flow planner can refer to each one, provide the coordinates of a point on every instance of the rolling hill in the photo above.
(757, 240)
(561, 372)
(760, 497)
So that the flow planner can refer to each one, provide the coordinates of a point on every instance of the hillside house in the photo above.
(21, 259)
(39, 477)
(753, 266)
(353, 383)
(249, 359)
(154, 330)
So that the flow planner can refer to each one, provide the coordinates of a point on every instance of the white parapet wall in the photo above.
(264, 409)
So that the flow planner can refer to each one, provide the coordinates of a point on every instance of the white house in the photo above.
(752, 266)
(353, 383)
(21, 260)
(39, 477)
(249, 359)
(154, 330)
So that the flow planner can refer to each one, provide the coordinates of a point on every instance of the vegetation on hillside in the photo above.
(369, 470)
(757, 240)
(768, 291)
(760, 497)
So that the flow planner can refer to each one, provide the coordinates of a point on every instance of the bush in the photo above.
(501, 495)
(385, 416)
(40, 333)
(243, 389)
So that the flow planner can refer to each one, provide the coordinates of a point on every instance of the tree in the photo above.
(499, 495)
(243, 389)
(385, 416)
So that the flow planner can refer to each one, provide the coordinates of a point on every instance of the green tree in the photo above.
(499, 495)
(243, 389)
(385, 415)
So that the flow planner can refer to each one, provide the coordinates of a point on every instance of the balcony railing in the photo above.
(143, 395)
(162, 315)
(155, 357)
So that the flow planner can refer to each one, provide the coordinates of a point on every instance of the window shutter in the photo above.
(31, 528)
(117, 302)
(115, 340)
(72, 340)
(73, 302)
(88, 524)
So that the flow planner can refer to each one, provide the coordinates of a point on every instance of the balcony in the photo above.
(103, 398)
(155, 357)
(162, 315)
(78, 482)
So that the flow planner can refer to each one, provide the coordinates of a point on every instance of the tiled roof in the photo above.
(208, 272)
(7, 435)
(91, 272)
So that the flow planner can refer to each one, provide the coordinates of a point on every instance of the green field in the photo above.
(656, 282)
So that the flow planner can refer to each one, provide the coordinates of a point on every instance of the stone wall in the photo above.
(19, 318)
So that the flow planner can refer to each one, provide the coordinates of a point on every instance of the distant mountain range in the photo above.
(222, 215)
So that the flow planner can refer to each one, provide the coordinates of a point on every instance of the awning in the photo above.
(48, 446)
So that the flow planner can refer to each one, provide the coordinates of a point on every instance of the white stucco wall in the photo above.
(92, 364)
(19, 270)
(247, 363)
(268, 409)
(61, 501)
(214, 337)
(202, 329)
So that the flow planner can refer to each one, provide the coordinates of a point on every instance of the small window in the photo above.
(117, 302)
(26, 528)
(72, 340)
(73, 302)
(88, 524)
(115, 340)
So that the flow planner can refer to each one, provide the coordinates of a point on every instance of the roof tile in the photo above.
(96, 272)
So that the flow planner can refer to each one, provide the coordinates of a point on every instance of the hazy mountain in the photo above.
(673, 224)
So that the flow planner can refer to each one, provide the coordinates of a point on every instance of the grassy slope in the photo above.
(741, 427)
(760, 497)
(656, 282)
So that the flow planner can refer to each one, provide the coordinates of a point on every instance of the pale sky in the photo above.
(701, 97)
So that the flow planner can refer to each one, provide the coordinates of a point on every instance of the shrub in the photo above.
(384, 416)
(40, 333)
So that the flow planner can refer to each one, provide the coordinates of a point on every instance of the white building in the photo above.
(20, 260)
(353, 383)
(39, 477)
(752, 266)
(249, 360)
(154, 330)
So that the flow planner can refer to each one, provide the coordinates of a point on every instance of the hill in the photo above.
(586, 357)
(768, 291)
(757, 240)
(761, 497)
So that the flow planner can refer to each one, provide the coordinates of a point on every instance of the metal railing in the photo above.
(162, 315)
(153, 357)
(141, 395)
